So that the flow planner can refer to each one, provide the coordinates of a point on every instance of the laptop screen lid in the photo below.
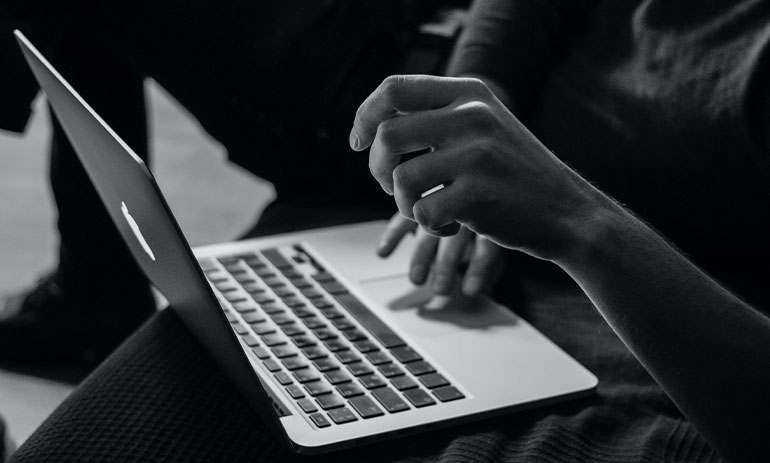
(143, 218)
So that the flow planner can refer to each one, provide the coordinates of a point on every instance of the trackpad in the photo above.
(420, 313)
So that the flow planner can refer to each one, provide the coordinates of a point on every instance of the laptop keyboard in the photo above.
(333, 356)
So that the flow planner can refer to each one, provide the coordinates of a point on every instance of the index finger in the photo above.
(406, 94)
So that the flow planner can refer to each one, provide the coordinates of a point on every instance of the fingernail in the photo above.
(354, 141)
(442, 284)
(472, 286)
(417, 274)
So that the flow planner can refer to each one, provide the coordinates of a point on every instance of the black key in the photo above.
(343, 324)
(303, 341)
(311, 293)
(350, 390)
(284, 378)
(420, 368)
(273, 282)
(336, 345)
(273, 339)
(254, 317)
(272, 308)
(261, 353)
(320, 420)
(366, 346)
(371, 322)
(293, 329)
(294, 363)
(333, 287)
(316, 388)
(342, 415)
(419, 398)
(262, 328)
(276, 258)
(405, 354)
(294, 301)
(331, 312)
(240, 329)
(300, 282)
(302, 311)
(433, 380)
(291, 273)
(306, 375)
(359, 368)
(378, 358)
(324, 334)
(264, 272)
(282, 318)
(295, 391)
(366, 407)
(372, 381)
(284, 351)
(234, 296)
(329, 401)
(283, 292)
(323, 276)
(262, 298)
(389, 399)
(244, 278)
(272, 365)
(390, 370)
(447, 393)
(321, 302)
(233, 267)
(251, 340)
(225, 286)
(246, 306)
(308, 406)
(326, 364)
(403, 383)
(353, 335)
(314, 352)
(314, 323)
(347, 356)
(231, 317)
(227, 260)
(252, 288)
(336, 377)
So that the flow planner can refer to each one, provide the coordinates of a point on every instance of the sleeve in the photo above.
(513, 41)
(17, 85)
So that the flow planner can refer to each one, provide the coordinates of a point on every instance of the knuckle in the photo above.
(387, 134)
(402, 178)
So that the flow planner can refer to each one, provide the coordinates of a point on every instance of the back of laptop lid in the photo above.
(146, 224)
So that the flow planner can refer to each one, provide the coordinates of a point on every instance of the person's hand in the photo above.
(441, 260)
(494, 176)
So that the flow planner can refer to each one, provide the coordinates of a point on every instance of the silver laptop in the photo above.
(330, 344)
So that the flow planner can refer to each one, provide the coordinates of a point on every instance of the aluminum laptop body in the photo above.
(493, 361)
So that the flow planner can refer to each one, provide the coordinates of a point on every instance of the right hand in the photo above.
(440, 261)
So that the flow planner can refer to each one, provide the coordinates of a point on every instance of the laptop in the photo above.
(332, 346)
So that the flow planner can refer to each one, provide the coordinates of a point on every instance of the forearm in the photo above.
(704, 346)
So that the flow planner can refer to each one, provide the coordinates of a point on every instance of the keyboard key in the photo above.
(314, 352)
(389, 399)
(234, 296)
(419, 398)
(264, 272)
(316, 388)
(320, 420)
(347, 356)
(207, 264)
(231, 317)
(294, 363)
(273, 282)
(254, 317)
(290, 273)
(307, 406)
(276, 258)
(329, 401)
(295, 391)
(336, 377)
(447, 393)
(302, 311)
(342, 415)
(336, 345)
(331, 312)
(227, 260)
(405, 354)
(261, 353)
(353, 335)
(272, 365)
(293, 301)
(323, 276)
(403, 383)
(370, 321)
(245, 306)
(262, 328)
(284, 351)
(262, 298)
(314, 323)
(284, 378)
(350, 390)
(293, 329)
(433, 380)
(272, 307)
(378, 358)
(306, 375)
(321, 302)
(225, 286)
(303, 341)
(273, 339)
(324, 334)
(366, 346)
(390, 370)
(282, 318)
(310, 293)
(253, 288)
(251, 340)
(366, 407)
(240, 329)
(342, 324)
(420, 368)
(333, 287)
(326, 364)
(359, 368)
(372, 381)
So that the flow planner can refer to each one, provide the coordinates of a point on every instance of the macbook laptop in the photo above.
(330, 344)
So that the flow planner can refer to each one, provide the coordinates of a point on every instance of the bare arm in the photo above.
(705, 347)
